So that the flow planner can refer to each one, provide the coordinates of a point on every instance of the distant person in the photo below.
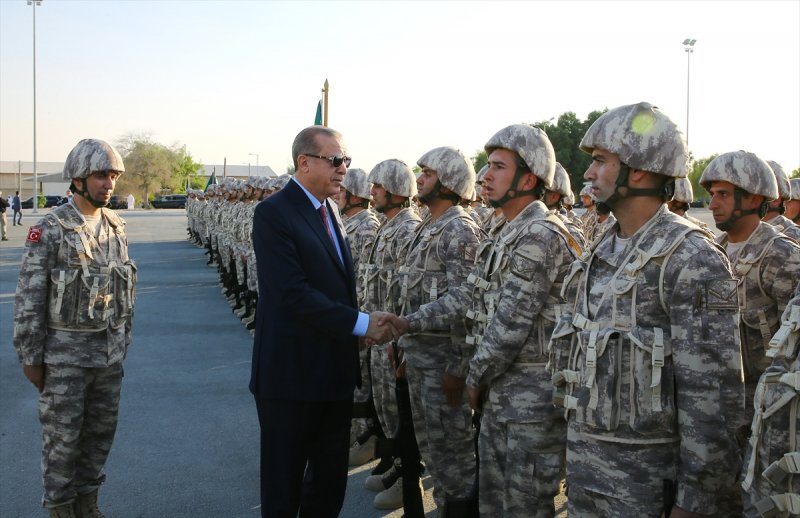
(72, 326)
(16, 205)
(68, 195)
(3, 223)
(131, 200)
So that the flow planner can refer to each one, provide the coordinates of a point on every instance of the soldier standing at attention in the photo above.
(72, 328)
(777, 208)
(793, 205)
(511, 301)
(649, 350)
(440, 256)
(681, 203)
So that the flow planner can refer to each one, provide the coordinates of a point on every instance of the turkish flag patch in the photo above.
(34, 234)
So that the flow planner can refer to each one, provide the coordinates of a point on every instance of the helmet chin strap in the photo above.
(82, 192)
(389, 205)
(512, 193)
(349, 205)
(436, 192)
(622, 190)
(739, 212)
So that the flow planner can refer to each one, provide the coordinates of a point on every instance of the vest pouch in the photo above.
(763, 317)
(63, 297)
(123, 290)
(95, 305)
(652, 405)
(558, 348)
(597, 390)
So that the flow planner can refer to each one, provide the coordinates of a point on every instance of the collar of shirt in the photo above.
(311, 197)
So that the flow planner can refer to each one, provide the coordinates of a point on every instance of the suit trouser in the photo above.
(304, 456)
(78, 411)
(18, 220)
(4, 225)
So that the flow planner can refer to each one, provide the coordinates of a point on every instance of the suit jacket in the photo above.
(304, 348)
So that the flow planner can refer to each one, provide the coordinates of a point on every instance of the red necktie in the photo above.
(323, 213)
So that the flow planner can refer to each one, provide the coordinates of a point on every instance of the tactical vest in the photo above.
(759, 312)
(772, 466)
(90, 288)
(591, 359)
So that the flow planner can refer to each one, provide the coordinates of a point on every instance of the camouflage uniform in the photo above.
(441, 254)
(72, 314)
(377, 274)
(771, 481)
(647, 353)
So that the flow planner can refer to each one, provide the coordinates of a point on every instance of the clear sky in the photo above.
(230, 78)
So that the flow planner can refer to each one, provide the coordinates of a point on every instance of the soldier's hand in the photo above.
(35, 374)
(474, 398)
(453, 388)
(399, 325)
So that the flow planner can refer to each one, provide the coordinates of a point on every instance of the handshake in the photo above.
(384, 327)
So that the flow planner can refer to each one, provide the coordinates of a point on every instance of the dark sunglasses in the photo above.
(335, 160)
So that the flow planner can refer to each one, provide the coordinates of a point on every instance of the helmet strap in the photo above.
(512, 193)
(389, 205)
(82, 192)
(436, 192)
(348, 204)
(739, 212)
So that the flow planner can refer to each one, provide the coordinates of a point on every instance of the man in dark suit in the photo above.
(305, 353)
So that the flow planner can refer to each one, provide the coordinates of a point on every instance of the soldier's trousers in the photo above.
(444, 434)
(383, 384)
(361, 395)
(78, 411)
(520, 467)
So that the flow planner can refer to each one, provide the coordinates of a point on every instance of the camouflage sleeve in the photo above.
(530, 275)
(780, 272)
(460, 249)
(30, 303)
(709, 386)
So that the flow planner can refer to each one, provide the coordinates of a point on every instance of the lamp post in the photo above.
(35, 205)
(248, 168)
(255, 155)
(688, 47)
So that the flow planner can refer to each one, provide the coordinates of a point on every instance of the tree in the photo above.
(186, 168)
(795, 173)
(148, 165)
(566, 137)
(479, 160)
(698, 166)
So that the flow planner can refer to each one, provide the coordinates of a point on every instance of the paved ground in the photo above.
(187, 443)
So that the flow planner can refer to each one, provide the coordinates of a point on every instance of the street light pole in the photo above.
(35, 204)
(688, 47)
(255, 155)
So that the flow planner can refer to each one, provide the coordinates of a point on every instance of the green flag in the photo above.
(318, 117)
(212, 180)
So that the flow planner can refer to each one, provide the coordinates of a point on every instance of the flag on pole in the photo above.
(318, 117)
(212, 180)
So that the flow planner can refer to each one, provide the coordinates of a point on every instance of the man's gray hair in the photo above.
(306, 141)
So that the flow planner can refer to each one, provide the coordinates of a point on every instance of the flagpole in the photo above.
(225, 168)
(325, 104)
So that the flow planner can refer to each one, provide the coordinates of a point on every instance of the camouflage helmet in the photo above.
(561, 183)
(355, 182)
(281, 181)
(533, 147)
(784, 187)
(91, 155)
(395, 176)
(481, 174)
(454, 170)
(586, 190)
(643, 137)
(569, 199)
(683, 191)
(744, 170)
(795, 184)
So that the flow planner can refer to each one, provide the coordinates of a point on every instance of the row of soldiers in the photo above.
(653, 361)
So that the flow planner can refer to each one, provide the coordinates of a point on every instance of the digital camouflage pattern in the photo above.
(376, 276)
(768, 270)
(561, 183)
(785, 226)
(395, 176)
(91, 155)
(683, 191)
(643, 137)
(453, 169)
(784, 187)
(744, 170)
(646, 361)
(441, 255)
(770, 475)
(510, 301)
(533, 147)
(355, 182)
(73, 313)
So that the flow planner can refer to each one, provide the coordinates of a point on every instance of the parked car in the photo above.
(117, 201)
(170, 201)
(50, 201)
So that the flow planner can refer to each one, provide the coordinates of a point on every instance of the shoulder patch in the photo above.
(522, 266)
(721, 294)
(470, 252)
(34, 234)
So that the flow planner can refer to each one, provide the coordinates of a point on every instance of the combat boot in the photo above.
(382, 481)
(363, 453)
(62, 511)
(391, 498)
(86, 506)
